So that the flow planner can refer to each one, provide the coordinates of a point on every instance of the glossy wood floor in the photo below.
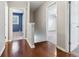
(61, 53)
(20, 48)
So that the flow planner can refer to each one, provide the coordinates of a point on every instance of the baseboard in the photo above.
(39, 41)
(6, 40)
(62, 49)
(14, 40)
(2, 50)
(31, 46)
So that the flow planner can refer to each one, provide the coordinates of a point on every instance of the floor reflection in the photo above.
(15, 47)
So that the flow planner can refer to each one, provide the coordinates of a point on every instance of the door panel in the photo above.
(74, 25)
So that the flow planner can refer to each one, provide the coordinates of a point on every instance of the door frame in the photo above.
(10, 22)
(6, 22)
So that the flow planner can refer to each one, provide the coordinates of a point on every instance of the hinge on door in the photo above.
(69, 43)
(69, 2)
(69, 47)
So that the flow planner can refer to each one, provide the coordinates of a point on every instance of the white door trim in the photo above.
(6, 22)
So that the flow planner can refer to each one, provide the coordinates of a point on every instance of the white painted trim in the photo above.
(14, 40)
(31, 46)
(62, 49)
(24, 22)
(6, 21)
(47, 23)
(36, 41)
(2, 50)
(27, 27)
(10, 24)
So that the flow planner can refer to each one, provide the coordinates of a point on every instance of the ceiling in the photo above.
(35, 4)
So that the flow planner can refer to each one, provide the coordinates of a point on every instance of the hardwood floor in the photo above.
(61, 53)
(21, 48)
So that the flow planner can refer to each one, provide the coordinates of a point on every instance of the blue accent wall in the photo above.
(18, 27)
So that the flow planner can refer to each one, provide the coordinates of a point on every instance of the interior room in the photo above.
(39, 29)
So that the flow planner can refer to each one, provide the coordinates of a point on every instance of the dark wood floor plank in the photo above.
(61, 53)
(21, 48)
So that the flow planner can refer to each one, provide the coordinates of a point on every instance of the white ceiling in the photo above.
(35, 4)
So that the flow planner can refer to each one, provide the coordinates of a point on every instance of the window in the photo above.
(15, 19)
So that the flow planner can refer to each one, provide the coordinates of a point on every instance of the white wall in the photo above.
(31, 16)
(22, 4)
(63, 25)
(2, 26)
(40, 23)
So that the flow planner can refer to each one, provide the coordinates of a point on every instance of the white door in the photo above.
(2, 27)
(74, 25)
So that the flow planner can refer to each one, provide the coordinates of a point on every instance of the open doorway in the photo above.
(16, 24)
(51, 23)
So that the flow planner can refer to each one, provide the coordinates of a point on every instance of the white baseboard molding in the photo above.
(39, 41)
(14, 40)
(62, 49)
(6, 40)
(31, 46)
(2, 50)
